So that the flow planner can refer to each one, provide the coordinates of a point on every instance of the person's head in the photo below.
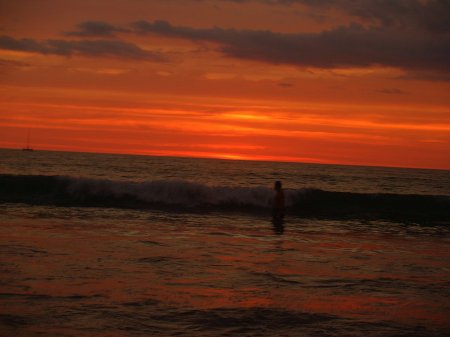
(278, 185)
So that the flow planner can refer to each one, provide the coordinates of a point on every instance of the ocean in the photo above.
(124, 245)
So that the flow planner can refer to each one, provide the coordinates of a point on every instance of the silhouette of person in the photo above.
(278, 202)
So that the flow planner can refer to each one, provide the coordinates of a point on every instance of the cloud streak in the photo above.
(346, 46)
(95, 48)
(430, 15)
(394, 42)
(96, 29)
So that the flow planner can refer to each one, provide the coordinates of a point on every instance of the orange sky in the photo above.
(325, 81)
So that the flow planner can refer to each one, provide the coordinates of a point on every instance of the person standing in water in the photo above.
(278, 203)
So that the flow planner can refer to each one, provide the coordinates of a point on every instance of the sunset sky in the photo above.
(328, 81)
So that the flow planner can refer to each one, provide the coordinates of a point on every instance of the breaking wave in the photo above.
(183, 195)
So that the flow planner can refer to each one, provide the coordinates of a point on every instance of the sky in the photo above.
(323, 81)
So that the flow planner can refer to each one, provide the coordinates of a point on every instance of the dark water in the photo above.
(114, 246)
(214, 172)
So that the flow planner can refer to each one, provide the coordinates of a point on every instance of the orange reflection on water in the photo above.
(344, 275)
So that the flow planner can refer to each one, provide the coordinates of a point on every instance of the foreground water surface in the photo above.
(113, 245)
(111, 272)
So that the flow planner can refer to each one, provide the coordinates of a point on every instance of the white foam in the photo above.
(176, 192)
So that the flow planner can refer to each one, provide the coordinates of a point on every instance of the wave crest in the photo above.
(182, 195)
(171, 192)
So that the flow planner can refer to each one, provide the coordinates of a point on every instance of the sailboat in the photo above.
(28, 148)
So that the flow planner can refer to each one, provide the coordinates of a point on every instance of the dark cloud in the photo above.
(96, 48)
(349, 46)
(10, 43)
(96, 29)
(431, 15)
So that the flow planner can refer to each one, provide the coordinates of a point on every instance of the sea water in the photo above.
(120, 245)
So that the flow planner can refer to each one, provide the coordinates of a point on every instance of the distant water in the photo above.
(119, 245)
(214, 172)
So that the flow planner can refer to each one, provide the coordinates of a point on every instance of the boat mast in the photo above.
(28, 148)
(28, 139)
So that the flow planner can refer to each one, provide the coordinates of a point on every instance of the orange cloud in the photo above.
(85, 85)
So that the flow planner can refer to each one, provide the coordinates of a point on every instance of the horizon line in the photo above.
(232, 159)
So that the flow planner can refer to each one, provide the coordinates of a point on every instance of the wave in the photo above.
(183, 195)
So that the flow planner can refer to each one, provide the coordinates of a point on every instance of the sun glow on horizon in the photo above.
(178, 86)
(269, 135)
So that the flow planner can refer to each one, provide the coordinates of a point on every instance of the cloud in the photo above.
(96, 29)
(96, 48)
(431, 15)
(346, 46)
(7, 66)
